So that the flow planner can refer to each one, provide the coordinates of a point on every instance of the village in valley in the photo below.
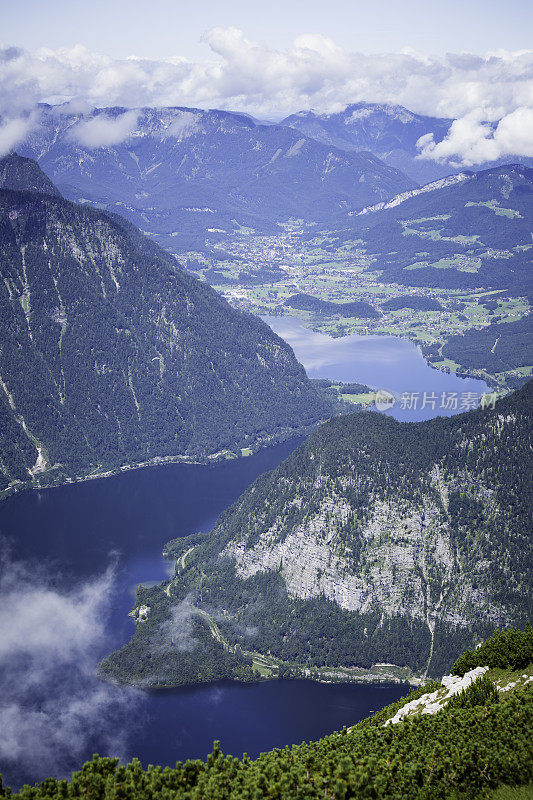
(259, 273)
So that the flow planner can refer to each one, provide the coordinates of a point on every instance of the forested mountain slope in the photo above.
(25, 174)
(182, 171)
(111, 354)
(468, 230)
(375, 541)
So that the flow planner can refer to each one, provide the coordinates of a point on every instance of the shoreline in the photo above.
(212, 459)
(227, 454)
(268, 667)
(385, 680)
(463, 372)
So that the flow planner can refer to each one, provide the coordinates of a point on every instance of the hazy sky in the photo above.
(163, 28)
(466, 60)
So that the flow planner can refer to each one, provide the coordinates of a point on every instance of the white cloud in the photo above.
(514, 133)
(178, 629)
(183, 125)
(14, 131)
(245, 75)
(104, 131)
(73, 105)
(471, 140)
(52, 707)
(39, 620)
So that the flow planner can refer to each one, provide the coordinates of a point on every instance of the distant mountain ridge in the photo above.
(111, 354)
(468, 230)
(389, 131)
(179, 172)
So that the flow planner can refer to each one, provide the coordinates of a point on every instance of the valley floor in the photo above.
(347, 274)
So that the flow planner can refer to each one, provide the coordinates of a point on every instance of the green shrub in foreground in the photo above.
(510, 649)
(481, 692)
(457, 753)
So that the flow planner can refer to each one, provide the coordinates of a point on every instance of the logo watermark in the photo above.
(384, 400)
(445, 401)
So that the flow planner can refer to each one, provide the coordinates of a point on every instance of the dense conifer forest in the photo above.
(357, 308)
(111, 354)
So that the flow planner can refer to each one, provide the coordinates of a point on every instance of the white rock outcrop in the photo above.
(433, 702)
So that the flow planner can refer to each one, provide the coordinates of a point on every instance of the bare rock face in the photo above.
(422, 522)
(401, 548)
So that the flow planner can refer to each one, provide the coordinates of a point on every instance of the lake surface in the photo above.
(382, 362)
(72, 556)
(60, 542)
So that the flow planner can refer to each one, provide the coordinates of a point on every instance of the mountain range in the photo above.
(468, 230)
(111, 354)
(388, 131)
(391, 132)
(179, 172)
(190, 177)
(375, 539)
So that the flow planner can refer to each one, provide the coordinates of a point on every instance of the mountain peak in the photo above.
(389, 109)
(24, 174)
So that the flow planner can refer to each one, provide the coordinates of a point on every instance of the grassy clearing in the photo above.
(447, 364)
(500, 211)
(264, 670)
(513, 793)
(359, 399)
(506, 679)
(417, 265)
(459, 262)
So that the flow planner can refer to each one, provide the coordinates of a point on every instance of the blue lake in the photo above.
(67, 536)
(382, 362)
(56, 546)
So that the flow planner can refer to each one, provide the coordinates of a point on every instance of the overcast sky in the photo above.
(160, 29)
(470, 60)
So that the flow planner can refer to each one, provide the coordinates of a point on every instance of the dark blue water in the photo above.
(382, 362)
(65, 537)
(61, 611)
(79, 528)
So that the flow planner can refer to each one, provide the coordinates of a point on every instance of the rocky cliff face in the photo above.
(376, 542)
(399, 548)
(399, 539)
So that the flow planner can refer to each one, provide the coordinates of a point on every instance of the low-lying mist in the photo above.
(53, 710)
